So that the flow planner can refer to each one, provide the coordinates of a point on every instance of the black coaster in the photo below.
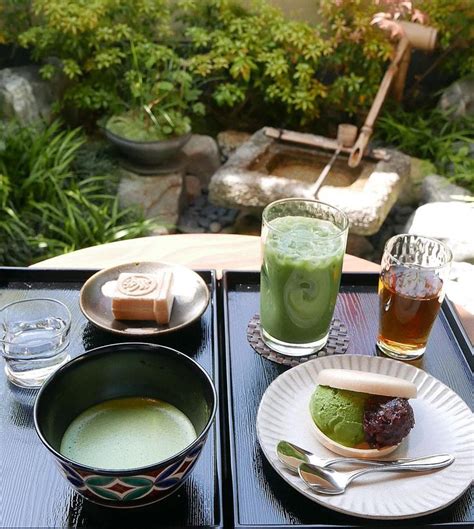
(337, 343)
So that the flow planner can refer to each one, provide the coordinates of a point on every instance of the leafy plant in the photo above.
(49, 208)
(252, 59)
(254, 65)
(255, 62)
(163, 101)
(433, 136)
(91, 39)
(14, 18)
(351, 23)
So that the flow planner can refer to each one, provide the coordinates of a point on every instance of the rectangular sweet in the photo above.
(143, 296)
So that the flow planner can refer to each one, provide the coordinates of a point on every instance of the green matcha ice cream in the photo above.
(339, 414)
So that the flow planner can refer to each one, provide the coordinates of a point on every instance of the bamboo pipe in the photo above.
(315, 141)
(401, 75)
(366, 131)
(414, 35)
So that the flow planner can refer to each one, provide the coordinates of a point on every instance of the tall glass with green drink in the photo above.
(303, 244)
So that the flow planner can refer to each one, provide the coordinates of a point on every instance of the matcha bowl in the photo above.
(126, 371)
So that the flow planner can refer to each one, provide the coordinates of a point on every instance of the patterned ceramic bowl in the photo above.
(126, 370)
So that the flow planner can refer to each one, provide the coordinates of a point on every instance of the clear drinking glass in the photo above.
(303, 245)
(34, 339)
(412, 286)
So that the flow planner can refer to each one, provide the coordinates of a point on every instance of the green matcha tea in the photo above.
(302, 263)
(127, 433)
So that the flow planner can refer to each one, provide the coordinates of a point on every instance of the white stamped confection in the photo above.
(136, 284)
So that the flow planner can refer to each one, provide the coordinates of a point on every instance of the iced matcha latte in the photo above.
(303, 250)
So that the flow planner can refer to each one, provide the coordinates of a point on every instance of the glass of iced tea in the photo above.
(411, 289)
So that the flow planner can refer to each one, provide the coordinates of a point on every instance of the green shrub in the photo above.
(93, 41)
(51, 201)
(357, 42)
(14, 19)
(254, 65)
(435, 137)
(162, 103)
(255, 62)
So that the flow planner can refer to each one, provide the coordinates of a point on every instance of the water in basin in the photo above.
(305, 165)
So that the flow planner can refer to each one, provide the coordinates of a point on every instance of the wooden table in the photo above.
(216, 251)
(198, 251)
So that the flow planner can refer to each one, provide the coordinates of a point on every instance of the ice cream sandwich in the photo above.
(357, 413)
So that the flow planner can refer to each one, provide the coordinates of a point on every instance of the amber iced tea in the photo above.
(408, 309)
(411, 290)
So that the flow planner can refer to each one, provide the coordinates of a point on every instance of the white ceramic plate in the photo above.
(443, 424)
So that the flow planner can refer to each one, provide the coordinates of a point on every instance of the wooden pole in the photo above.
(400, 77)
(366, 131)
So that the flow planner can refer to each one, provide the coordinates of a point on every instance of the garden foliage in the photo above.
(163, 96)
(50, 203)
(160, 63)
(434, 136)
(93, 40)
(252, 64)
(257, 59)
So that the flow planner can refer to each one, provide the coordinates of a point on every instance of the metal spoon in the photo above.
(329, 481)
(292, 456)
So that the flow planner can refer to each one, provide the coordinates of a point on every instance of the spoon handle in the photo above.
(361, 462)
(419, 464)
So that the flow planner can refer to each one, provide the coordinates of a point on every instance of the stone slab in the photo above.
(458, 99)
(411, 192)
(366, 202)
(159, 197)
(229, 141)
(203, 157)
(24, 95)
(436, 188)
(450, 222)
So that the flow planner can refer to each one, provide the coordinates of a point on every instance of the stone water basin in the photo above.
(263, 170)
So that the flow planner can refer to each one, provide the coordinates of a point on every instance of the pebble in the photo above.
(202, 216)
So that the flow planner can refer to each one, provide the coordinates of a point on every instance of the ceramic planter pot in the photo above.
(148, 153)
(126, 370)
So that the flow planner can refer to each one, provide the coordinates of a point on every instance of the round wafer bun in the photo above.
(364, 382)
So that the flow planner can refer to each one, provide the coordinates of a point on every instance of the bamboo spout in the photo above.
(366, 131)
(414, 35)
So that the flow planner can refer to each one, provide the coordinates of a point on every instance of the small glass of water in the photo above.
(33, 340)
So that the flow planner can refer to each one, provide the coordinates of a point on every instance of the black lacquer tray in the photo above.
(32, 491)
(259, 497)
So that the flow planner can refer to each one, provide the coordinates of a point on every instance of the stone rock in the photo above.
(247, 223)
(229, 141)
(436, 188)
(228, 229)
(459, 288)
(24, 95)
(189, 223)
(203, 157)
(215, 227)
(193, 187)
(367, 201)
(450, 222)
(160, 197)
(359, 246)
(458, 99)
(411, 190)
